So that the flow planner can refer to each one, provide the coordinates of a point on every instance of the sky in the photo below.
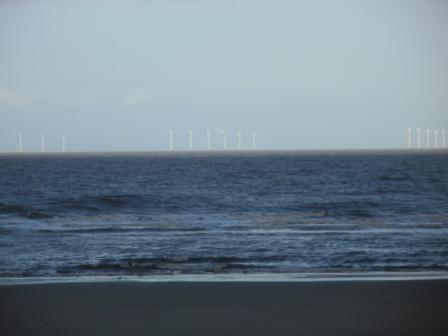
(117, 75)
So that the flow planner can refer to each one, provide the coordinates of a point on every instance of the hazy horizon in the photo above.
(303, 75)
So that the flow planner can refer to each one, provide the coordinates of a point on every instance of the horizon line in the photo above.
(229, 151)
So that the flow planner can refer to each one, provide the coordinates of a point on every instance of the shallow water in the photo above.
(286, 212)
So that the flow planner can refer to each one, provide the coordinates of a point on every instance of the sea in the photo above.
(223, 213)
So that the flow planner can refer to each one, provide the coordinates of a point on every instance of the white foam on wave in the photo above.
(260, 277)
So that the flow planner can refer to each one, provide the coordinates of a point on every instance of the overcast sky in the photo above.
(302, 74)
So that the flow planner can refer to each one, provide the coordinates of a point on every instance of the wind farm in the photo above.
(212, 141)
(414, 140)
(218, 138)
(221, 140)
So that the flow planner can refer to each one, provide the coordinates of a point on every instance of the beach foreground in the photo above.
(226, 308)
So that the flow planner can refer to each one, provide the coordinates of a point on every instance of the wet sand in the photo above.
(226, 308)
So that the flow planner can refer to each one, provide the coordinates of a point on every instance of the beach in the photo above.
(390, 307)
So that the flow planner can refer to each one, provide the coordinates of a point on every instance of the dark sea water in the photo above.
(152, 214)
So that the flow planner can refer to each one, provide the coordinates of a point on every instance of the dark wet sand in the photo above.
(260, 308)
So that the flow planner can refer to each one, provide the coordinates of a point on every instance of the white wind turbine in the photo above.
(42, 142)
(443, 137)
(239, 140)
(428, 133)
(63, 143)
(220, 131)
(20, 143)
(254, 144)
(419, 132)
(171, 134)
(190, 140)
(436, 138)
(207, 131)
(409, 137)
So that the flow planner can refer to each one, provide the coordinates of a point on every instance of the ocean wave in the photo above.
(154, 268)
(394, 178)
(147, 202)
(124, 229)
(4, 231)
(190, 264)
(23, 211)
(349, 208)
(118, 200)
(97, 202)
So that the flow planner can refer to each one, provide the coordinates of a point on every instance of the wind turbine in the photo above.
(443, 137)
(63, 143)
(42, 142)
(239, 140)
(170, 132)
(436, 138)
(428, 131)
(207, 131)
(409, 137)
(190, 136)
(419, 143)
(20, 143)
(254, 145)
(220, 131)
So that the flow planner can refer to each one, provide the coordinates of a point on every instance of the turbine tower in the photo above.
(436, 138)
(42, 142)
(443, 137)
(409, 137)
(419, 143)
(220, 131)
(428, 132)
(63, 143)
(170, 132)
(254, 145)
(207, 131)
(20, 143)
(190, 142)
(239, 140)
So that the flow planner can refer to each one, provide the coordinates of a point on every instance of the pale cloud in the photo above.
(11, 97)
(138, 97)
